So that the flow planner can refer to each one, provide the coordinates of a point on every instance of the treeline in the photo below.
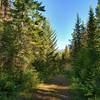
(85, 54)
(28, 52)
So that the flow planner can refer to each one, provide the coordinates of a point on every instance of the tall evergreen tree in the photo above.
(65, 55)
(83, 29)
(97, 36)
(16, 45)
(18, 33)
(46, 60)
(84, 67)
(83, 35)
(91, 27)
(90, 53)
(77, 31)
(76, 42)
(97, 42)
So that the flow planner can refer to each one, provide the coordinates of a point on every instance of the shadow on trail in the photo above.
(49, 95)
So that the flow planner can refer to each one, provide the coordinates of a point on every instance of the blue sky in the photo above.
(62, 15)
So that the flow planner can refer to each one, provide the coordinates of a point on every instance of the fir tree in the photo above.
(83, 35)
(91, 28)
(76, 42)
(65, 55)
(97, 36)
(46, 57)
(17, 34)
(97, 43)
(85, 66)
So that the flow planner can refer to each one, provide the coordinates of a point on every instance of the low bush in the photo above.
(13, 84)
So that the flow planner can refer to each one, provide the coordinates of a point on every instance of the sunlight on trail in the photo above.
(51, 87)
(51, 92)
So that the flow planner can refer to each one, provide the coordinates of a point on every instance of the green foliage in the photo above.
(17, 34)
(65, 55)
(12, 84)
(16, 46)
(46, 61)
(85, 66)
(97, 44)
(97, 35)
(85, 73)
(76, 41)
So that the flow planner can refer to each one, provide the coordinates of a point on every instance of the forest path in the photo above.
(56, 89)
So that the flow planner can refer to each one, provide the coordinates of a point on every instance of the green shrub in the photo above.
(85, 73)
(13, 84)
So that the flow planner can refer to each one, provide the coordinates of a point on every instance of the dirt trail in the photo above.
(56, 89)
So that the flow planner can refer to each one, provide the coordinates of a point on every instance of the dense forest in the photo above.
(29, 55)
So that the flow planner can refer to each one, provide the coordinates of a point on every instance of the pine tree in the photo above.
(76, 42)
(83, 29)
(46, 57)
(77, 31)
(84, 67)
(7, 37)
(90, 53)
(97, 36)
(91, 28)
(83, 35)
(97, 43)
(16, 46)
(65, 55)
(18, 33)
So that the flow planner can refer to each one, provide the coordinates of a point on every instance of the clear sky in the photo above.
(62, 15)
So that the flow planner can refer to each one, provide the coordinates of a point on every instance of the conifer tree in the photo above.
(84, 35)
(18, 33)
(77, 31)
(76, 42)
(84, 67)
(16, 45)
(97, 36)
(65, 55)
(7, 37)
(91, 28)
(97, 43)
(46, 60)
(90, 53)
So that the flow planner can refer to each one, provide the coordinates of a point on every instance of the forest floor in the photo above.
(56, 89)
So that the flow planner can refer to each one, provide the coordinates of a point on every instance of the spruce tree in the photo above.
(16, 46)
(7, 37)
(76, 42)
(97, 36)
(97, 43)
(91, 28)
(83, 35)
(84, 67)
(91, 56)
(46, 57)
(77, 31)
(65, 55)
(18, 33)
